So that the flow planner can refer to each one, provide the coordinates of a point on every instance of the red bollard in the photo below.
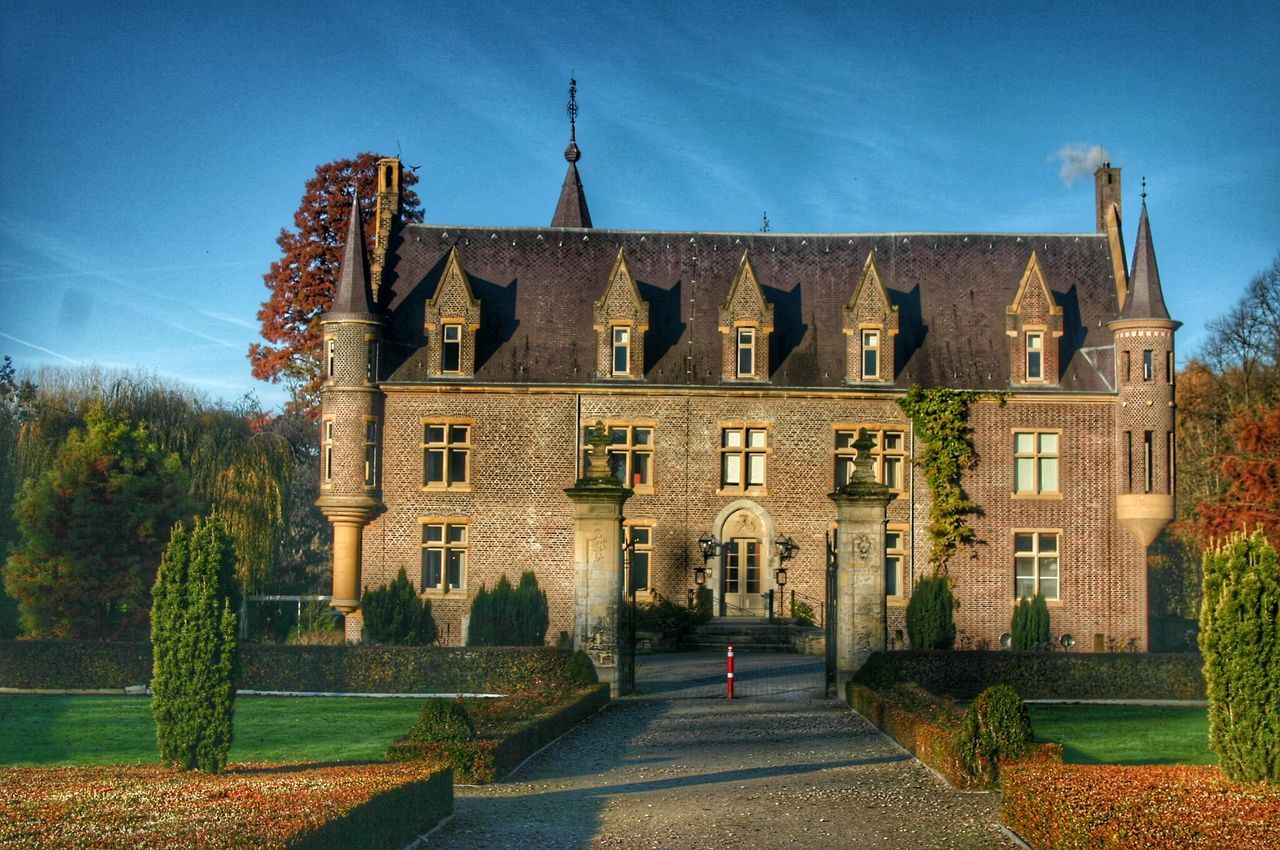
(730, 680)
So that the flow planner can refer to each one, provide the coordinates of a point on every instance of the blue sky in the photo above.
(150, 154)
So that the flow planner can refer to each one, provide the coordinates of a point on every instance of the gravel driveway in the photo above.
(678, 766)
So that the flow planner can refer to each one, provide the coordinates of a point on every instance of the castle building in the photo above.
(732, 372)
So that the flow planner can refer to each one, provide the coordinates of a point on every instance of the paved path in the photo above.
(678, 766)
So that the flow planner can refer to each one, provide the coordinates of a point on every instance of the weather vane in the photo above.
(572, 109)
(764, 225)
(1144, 188)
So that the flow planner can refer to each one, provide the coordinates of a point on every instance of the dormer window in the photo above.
(451, 348)
(746, 352)
(870, 355)
(1035, 357)
(621, 350)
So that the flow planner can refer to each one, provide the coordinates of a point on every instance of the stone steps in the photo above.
(744, 635)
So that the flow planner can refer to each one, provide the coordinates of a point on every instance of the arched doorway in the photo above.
(743, 575)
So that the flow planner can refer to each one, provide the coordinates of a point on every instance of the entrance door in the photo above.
(741, 592)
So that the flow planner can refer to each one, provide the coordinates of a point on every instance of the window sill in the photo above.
(1036, 497)
(739, 491)
(642, 489)
(447, 488)
(896, 601)
(435, 594)
(1050, 603)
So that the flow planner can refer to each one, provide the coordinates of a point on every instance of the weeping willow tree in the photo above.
(237, 463)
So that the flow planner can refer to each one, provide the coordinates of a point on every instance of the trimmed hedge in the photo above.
(1055, 675)
(393, 819)
(88, 665)
(1148, 807)
(490, 756)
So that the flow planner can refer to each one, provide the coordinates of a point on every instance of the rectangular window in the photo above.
(640, 541)
(327, 450)
(1168, 367)
(1169, 455)
(451, 348)
(630, 454)
(895, 555)
(889, 457)
(1128, 461)
(331, 356)
(1035, 558)
(444, 555)
(870, 355)
(370, 453)
(1125, 366)
(371, 371)
(1035, 462)
(621, 351)
(1148, 466)
(1035, 357)
(446, 454)
(1147, 366)
(743, 453)
(746, 352)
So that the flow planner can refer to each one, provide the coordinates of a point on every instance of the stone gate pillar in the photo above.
(860, 521)
(597, 562)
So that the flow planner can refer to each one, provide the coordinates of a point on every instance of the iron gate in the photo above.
(830, 624)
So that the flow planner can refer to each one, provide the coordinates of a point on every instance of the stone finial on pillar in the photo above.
(860, 521)
(597, 562)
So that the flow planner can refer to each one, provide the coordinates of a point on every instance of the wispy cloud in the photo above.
(1080, 160)
(42, 349)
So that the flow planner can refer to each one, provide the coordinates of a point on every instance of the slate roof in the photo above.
(536, 287)
(1146, 299)
(352, 297)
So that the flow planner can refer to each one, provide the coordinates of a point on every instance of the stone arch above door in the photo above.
(743, 574)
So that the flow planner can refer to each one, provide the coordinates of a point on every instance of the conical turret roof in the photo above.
(352, 298)
(1146, 300)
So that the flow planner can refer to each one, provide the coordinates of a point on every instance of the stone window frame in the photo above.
(444, 545)
(1035, 555)
(453, 303)
(614, 346)
(370, 444)
(642, 547)
(743, 330)
(1036, 454)
(863, 332)
(1037, 333)
(326, 451)
(903, 532)
(1148, 365)
(447, 445)
(745, 451)
(628, 449)
(454, 326)
(842, 455)
(371, 359)
(330, 357)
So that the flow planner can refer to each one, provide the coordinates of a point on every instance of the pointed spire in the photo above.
(352, 296)
(1146, 300)
(571, 210)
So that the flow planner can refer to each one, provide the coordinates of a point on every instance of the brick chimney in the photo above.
(1107, 183)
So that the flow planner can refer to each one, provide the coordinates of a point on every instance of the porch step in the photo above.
(744, 635)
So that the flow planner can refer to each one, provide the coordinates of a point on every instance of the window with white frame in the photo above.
(1148, 365)
(621, 350)
(746, 352)
(1036, 564)
(870, 355)
(895, 557)
(640, 548)
(444, 554)
(630, 453)
(1035, 462)
(1035, 357)
(446, 454)
(370, 452)
(326, 449)
(451, 347)
(743, 453)
(888, 456)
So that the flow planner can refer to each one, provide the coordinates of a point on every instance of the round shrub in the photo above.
(878, 673)
(579, 670)
(995, 727)
(443, 721)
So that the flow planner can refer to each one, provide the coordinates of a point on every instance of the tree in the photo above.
(17, 402)
(1030, 626)
(1240, 641)
(90, 532)
(930, 624)
(303, 279)
(393, 614)
(195, 649)
(1252, 470)
(509, 616)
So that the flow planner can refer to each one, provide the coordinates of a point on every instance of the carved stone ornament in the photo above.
(595, 549)
(602, 645)
(862, 548)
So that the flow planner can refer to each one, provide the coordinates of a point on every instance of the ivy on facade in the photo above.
(941, 420)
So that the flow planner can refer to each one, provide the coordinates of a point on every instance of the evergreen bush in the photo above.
(195, 648)
(1030, 627)
(443, 721)
(996, 726)
(580, 671)
(1240, 641)
(509, 616)
(877, 673)
(395, 615)
(929, 614)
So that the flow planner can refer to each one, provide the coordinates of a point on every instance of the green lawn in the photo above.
(1125, 734)
(57, 730)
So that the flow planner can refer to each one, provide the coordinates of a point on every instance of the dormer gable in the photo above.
(620, 319)
(453, 317)
(870, 326)
(746, 320)
(1033, 323)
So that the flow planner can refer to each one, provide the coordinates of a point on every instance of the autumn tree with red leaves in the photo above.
(303, 279)
(1252, 499)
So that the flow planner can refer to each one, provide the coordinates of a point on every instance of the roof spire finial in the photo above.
(1144, 190)
(571, 153)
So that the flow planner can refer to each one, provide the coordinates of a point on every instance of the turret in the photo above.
(1145, 374)
(571, 209)
(350, 415)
